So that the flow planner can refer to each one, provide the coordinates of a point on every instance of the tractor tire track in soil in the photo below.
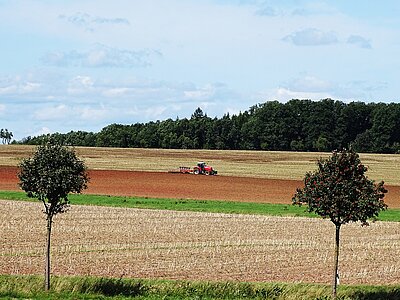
(186, 186)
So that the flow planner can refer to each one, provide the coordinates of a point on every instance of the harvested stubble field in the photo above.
(120, 242)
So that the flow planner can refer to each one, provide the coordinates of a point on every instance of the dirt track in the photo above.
(179, 186)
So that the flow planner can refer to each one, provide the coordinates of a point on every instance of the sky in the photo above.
(85, 64)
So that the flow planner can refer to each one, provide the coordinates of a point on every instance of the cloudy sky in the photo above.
(84, 64)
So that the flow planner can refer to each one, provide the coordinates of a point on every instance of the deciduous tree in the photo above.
(6, 136)
(50, 175)
(340, 190)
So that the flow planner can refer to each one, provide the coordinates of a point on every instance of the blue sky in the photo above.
(82, 65)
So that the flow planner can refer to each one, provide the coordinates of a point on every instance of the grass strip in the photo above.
(75, 287)
(192, 205)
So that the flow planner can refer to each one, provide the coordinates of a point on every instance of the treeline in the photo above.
(298, 125)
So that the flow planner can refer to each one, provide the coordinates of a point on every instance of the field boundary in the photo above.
(75, 287)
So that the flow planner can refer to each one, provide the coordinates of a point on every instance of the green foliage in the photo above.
(5, 136)
(340, 190)
(23, 287)
(298, 125)
(51, 174)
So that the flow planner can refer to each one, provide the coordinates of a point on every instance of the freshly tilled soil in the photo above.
(188, 186)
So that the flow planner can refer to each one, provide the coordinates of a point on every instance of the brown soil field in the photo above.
(181, 186)
(120, 242)
(254, 164)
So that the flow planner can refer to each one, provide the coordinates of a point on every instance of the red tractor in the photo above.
(203, 168)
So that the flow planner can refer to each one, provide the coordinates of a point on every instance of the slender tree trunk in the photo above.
(336, 265)
(47, 271)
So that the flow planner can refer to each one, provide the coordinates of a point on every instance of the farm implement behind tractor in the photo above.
(201, 169)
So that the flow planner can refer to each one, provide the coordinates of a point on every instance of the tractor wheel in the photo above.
(207, 172)
(196, 171)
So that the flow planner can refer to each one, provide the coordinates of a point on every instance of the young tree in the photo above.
(2, 135)
(10, 136)
(6, 136)
(50, 175)
(340, 190)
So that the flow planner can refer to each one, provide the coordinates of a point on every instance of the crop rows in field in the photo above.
(185, 245)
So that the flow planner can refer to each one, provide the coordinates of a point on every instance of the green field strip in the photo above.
(211, 206)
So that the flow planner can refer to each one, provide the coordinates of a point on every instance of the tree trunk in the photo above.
(47, 271)
(336, 265)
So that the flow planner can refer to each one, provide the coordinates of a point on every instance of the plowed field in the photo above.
(180, 186)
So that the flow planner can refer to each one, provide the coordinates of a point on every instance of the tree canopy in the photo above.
(298, 125)
(6, 136)
(340, 190)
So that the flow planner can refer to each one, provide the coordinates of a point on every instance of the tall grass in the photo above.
(20, 287)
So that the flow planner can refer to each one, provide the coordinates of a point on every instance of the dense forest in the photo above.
(298, 125)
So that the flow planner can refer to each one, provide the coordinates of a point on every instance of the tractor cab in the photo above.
(201, 165)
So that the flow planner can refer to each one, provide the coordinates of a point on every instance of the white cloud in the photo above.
(117, 92)
(314, 88)
(154, 111)
(2, 108)
(41, 131)
(59, 112)
(67, 114)
(284, 94)
(311, 37)
(92, 114)
(30, 87)
(101, 56)
(84, 81)
(150, 92)
(17, 85)
(303, 87)
(8, 89)
(203, 93)
(359, 41)
(360, 89)
(80, 85)
(268, 11)
(309, 83)
(90, 23)
(308, 9)
(314, 8)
